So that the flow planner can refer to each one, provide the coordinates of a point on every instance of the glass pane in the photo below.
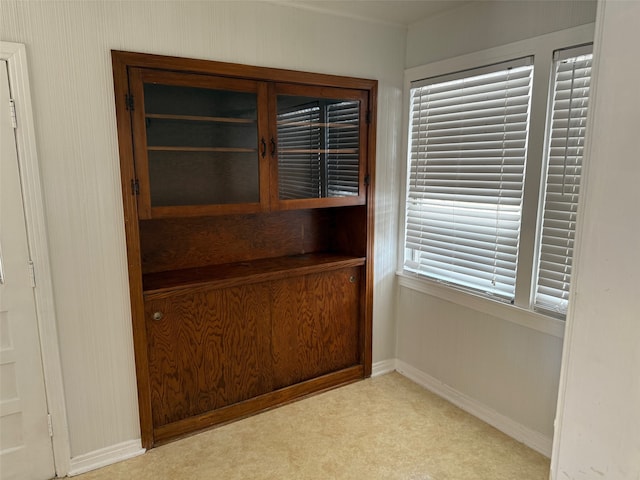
(202, 145)
(203, 178)
(185, 133)
(204, 102)
(318, 147)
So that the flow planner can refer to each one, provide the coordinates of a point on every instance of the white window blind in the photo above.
(564, 163)
(467, 149)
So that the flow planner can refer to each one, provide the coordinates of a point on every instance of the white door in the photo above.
(26, 451)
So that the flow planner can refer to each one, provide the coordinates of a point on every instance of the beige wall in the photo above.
(508, 368)
(479, 25)
(598, 413)
(68, 46)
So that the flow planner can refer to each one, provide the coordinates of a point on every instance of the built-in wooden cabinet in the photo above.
(230, 361)
(248, 209)
(314, 324)
(196, 141)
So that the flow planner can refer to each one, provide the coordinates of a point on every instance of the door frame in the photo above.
(15, 55)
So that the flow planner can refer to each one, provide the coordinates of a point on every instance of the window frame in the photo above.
(541, 49)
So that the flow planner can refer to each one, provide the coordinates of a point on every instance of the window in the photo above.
(567, 124)
(467, 157)
(468, 151)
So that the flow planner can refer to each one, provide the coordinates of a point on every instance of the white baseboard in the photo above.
(382, 367)
(105, 456)
(519, 432)
(535, 440)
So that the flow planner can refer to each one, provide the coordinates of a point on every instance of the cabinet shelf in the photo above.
(163, 284)
(199, 118)
(318, 124)
(319, 150)
(201, 149)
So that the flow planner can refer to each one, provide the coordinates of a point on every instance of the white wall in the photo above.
(507, 370)
(68, 45)
(479, 25)
(599, 408)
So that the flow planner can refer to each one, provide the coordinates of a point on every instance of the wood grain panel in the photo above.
(127, 174)
(210, 349)
(254, 405)
(241, 71)
(180, 243)
(315, 324)
(166, 284)
(350, 232)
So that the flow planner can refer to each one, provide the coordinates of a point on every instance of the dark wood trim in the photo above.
(258, 404)
(235, 70)
(369, 281)
(139, 150)
(263, 134)
(132, 232)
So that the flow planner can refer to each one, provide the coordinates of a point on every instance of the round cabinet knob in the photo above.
(352, 279)
(158, 315)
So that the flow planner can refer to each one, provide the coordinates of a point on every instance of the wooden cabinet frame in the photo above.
(351, 247)
(137, 76)
(320, 92)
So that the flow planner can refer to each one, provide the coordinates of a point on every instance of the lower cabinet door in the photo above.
(315, 324)
(207, 350)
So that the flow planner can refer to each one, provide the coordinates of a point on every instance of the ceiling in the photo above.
(394, 12)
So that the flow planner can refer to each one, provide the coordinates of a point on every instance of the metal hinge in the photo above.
(32, 273)
(128, 100)
(367, 179)
(135, 187)
(12, 111)
(368, 117)
(50, 425)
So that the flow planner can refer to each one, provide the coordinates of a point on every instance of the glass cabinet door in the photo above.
(198, 144)
(320, 144)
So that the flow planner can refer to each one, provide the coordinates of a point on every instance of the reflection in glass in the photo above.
(318, 147)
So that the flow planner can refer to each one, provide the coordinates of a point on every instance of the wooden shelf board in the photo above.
(201, 149)
(318, 150)
(199, 118)
(284, 123)
(164, 284)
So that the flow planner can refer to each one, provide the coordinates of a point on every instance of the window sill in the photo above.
(510, 313)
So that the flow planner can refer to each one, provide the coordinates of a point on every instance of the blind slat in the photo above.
(564, 160)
